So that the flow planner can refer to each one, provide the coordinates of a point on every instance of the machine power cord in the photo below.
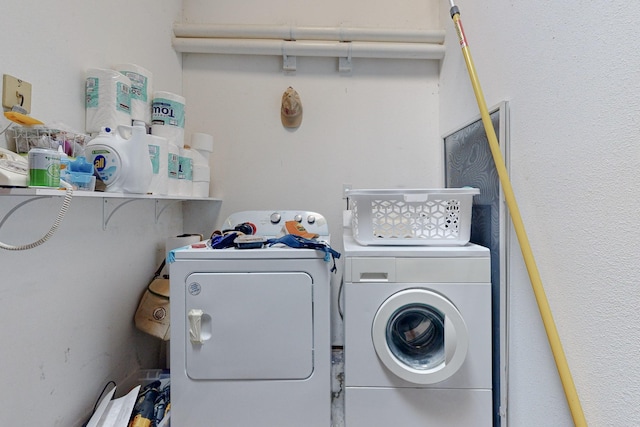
(63, 210)
(340, 312)
(95, 407)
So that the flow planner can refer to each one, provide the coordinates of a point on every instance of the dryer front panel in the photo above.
(249, 326)
(420, 336)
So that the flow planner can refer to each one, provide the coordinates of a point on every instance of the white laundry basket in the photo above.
(438, 217)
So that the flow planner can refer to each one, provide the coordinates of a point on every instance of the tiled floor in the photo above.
(337, 387)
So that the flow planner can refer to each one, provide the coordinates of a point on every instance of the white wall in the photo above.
(66, 308)
(408, 14)
(52, 44)
(375, 128)
(570, 76)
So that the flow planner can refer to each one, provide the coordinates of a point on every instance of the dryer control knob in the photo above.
(311, 219)
(275, 218)
(297, 218)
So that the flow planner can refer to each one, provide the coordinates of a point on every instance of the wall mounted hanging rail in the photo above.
(289, 42)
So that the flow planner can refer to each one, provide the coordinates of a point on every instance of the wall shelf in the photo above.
(199, 214)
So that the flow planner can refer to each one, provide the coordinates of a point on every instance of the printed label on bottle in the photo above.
(44, 168)
(154, 155)
(106, 164)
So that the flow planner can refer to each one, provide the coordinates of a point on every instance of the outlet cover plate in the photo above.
(16, 92)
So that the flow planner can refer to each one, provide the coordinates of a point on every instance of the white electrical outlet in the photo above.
(16, 92)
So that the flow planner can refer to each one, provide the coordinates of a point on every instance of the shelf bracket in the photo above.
(19, 205)
(199, 214)
(109, 207)
(162, 205)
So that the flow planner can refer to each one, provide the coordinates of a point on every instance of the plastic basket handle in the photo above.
(419, 197)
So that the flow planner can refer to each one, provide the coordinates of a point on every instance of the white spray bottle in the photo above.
(123, 164)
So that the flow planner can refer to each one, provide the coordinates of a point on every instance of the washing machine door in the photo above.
(420, 336)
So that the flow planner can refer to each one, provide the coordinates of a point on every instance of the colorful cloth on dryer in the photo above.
(294, 241)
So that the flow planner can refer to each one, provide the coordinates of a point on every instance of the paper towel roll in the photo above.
(200, 189)
(172, 133)
(141, 90)
(168, 110)
(159, 154)
(201, 173)
(202, 142)
(173, 164)
(200, 158)
(201, 180)
(107, 100)
(185, 172)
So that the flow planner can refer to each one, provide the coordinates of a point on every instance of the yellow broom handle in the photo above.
(543, 305)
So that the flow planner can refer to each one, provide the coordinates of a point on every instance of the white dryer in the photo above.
(250, 333)
(417, 336)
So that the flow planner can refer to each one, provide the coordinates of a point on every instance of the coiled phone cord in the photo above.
(63, 210)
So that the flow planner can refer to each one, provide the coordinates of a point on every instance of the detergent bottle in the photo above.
(123, 164)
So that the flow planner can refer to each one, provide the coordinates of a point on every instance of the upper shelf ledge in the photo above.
(55, 192)
(340, 42)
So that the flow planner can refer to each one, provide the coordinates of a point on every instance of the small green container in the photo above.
(44, 168)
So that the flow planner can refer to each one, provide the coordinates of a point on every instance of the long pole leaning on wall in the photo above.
(534, 275)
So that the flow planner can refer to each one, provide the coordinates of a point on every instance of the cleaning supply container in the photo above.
(123, 164)
(44, 168)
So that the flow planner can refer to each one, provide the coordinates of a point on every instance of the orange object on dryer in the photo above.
(294, 227)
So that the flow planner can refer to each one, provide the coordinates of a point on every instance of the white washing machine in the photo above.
(250, 333)
(417, 336)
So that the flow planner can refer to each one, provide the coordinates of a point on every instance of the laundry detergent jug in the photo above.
(123, 164)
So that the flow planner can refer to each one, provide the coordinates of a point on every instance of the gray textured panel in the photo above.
(468, 162)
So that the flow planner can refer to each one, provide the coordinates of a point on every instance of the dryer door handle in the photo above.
(195, 326)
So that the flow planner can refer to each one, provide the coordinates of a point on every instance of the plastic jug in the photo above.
(123, 164)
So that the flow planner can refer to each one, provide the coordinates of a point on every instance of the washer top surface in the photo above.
(354, 249)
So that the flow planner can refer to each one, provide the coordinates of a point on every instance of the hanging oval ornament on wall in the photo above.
(291, 109)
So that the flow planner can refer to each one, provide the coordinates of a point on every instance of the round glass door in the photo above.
(420, 336)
